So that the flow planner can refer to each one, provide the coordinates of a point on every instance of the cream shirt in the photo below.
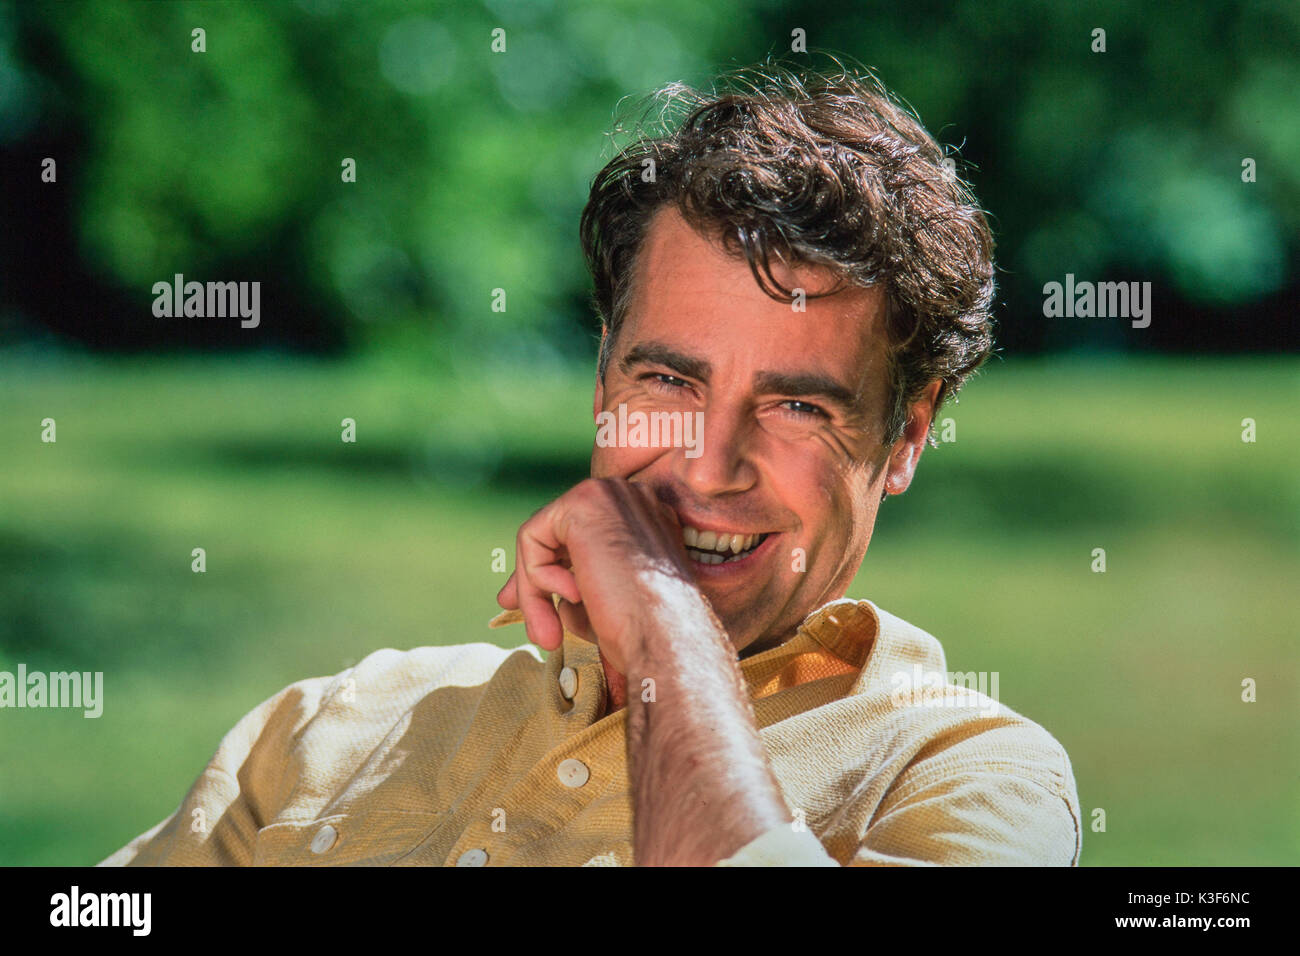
(473, 755)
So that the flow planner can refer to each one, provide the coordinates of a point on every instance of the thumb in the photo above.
(574, 617)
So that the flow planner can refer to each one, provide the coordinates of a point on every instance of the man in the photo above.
(794, 268)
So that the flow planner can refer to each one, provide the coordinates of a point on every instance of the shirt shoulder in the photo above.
(287, 757)
(365, 699)
(408, 675)
(958, 714)
(973, 781)
(339, 726)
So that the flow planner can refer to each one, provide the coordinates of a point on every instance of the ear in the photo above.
(906, 452)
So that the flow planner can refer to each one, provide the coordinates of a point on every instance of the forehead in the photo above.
(689, 293)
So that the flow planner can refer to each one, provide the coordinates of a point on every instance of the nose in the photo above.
(725, 463)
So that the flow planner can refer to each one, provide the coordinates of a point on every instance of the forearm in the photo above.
(701, 784)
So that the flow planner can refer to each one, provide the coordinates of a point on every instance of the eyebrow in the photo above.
(811, 384)
(656, 353)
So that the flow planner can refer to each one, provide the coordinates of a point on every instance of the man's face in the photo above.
(794, 410)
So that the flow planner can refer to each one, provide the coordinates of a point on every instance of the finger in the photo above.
(554, 579)
(541, 622)
(540, 554)
(575, 620)
(669, 516)
(508, 596)
(662, 516)
(534, 585)
(657, 506)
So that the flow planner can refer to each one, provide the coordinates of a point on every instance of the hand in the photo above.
(612, 551)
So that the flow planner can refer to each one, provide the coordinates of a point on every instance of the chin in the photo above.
(740, 625)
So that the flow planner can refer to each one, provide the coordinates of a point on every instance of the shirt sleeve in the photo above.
(997, 794)
(238, 791)
(974, 818)
(966, 819)
(781, 846)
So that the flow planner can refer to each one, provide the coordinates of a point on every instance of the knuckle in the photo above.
(591, 493)
(595, 488)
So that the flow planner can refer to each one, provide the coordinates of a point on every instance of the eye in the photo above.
(803, 409)
(666, 381)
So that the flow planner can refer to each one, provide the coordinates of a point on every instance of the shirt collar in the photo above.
(845, 628)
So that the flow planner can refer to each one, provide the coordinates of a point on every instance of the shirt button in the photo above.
(572, 773)
(568, 682)
(472, 858)
(325, 838)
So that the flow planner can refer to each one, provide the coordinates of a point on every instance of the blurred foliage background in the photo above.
(472, 168)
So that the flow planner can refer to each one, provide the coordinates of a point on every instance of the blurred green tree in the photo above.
(472, 164)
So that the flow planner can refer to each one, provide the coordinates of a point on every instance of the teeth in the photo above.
(712, 547)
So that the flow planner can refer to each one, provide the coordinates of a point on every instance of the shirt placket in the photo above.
(586, 756)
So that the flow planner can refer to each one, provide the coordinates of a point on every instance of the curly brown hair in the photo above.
(821, 168)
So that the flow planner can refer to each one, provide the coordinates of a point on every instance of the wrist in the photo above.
(675, 622)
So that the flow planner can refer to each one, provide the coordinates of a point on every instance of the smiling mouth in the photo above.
(720, 547)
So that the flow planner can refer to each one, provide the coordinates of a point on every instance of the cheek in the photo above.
(809, 487)
(614, 462)
(830, 497)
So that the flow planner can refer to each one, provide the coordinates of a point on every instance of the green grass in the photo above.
(319, 552)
